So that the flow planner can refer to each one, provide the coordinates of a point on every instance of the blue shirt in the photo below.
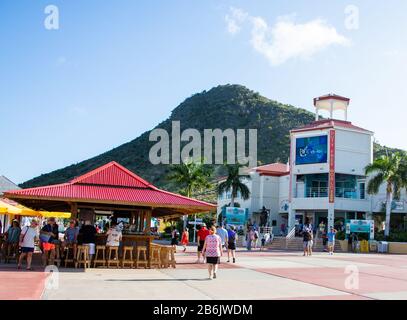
(331, 236)
(231, 236)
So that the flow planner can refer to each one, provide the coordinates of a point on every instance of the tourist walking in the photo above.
(201, 234)
(307, 238)
(223, 234)
(27, 243)
(232, 241)
(174, 238)
(185, 239)
(249, 238)
(256, 238)
(331, 240)
(212, 250)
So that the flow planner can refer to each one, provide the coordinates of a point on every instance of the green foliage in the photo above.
(340, 235)
(190, 177)
(399, 236)
(234, 183)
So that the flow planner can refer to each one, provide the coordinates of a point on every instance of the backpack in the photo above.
(256, 235)
(232, 237)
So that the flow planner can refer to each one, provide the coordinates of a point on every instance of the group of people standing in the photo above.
(24, 239)
(308, 237)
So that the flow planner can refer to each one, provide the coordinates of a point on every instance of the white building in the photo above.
(325, 179)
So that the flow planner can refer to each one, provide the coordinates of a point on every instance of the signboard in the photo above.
(397, 205)
(236, 216)
(332, 166)
(360, 226)
(311, 150)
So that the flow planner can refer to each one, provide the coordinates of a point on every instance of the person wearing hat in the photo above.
(12, 237)
(27, 239)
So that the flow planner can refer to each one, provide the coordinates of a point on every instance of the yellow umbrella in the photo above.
(9, 207)
(62, 215)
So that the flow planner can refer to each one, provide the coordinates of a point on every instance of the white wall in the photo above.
(353, 152)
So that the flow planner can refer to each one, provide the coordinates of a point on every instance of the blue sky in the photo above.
(115, 69)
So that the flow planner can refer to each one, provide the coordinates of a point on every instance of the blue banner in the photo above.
(311, 150)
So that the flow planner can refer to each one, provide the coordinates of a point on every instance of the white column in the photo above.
(331, 215)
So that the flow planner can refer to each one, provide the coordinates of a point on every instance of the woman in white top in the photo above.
(27, 238)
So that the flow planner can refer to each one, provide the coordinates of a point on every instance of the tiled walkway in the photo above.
(256, 275)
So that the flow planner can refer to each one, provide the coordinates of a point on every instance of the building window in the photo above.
(362, 192)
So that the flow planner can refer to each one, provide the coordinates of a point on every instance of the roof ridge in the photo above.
(89, 174)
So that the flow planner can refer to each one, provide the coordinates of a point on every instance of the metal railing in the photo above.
(323, 192)
(291, 233)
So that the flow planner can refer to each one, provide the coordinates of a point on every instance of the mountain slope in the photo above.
(227, 106)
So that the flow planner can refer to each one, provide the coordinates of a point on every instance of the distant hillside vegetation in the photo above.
(226, 106)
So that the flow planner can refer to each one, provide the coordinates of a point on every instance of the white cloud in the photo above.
(235, 19)
(287, 39)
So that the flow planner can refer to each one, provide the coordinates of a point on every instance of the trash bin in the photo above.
(364, 246)
(383, 247)
(373, 246)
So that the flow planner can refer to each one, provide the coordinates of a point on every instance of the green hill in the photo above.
(227, 106)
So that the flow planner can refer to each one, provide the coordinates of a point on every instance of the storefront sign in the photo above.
(360, 226)
(332, 166)
(236, 216)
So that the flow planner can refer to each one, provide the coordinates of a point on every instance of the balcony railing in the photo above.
(322, 192)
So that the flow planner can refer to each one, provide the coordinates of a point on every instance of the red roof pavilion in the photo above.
(110, 186)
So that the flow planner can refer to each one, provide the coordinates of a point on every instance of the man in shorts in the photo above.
(202, 234)
(27, 239)
(48, 236)
(331, 240)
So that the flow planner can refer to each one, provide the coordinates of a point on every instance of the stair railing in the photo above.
(291, 233)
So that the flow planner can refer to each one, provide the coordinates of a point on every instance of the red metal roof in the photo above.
(274, 169)
(331, 96)
(112, 183)
(329, 123)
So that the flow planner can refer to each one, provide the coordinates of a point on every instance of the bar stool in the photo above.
(11, 252)
(171, 260)
(113, 259)
(57, 259)
(69, 258)
(82, 256)
(127, 256)
(164, 253)
(100, 256)
(141, 251)
(156, 256)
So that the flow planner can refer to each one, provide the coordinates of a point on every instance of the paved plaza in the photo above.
(255, 275)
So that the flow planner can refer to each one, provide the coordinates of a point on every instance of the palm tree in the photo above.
(391, 170)
(234, 183)
(192, 177)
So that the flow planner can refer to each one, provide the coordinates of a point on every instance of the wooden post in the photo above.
(74, 210)
(148, 221)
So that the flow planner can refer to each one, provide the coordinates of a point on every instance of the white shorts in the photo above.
(331, 244)
(91, 247)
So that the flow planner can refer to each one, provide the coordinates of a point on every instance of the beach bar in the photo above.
(117, 193)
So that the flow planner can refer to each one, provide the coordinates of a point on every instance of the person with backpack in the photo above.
(27, 243)
(232, 241)
(307, 238)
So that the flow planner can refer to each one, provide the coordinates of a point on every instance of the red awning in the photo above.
(111, 183)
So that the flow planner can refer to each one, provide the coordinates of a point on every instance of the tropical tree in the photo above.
(234, 183)
(390, 169)
(192, 177)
